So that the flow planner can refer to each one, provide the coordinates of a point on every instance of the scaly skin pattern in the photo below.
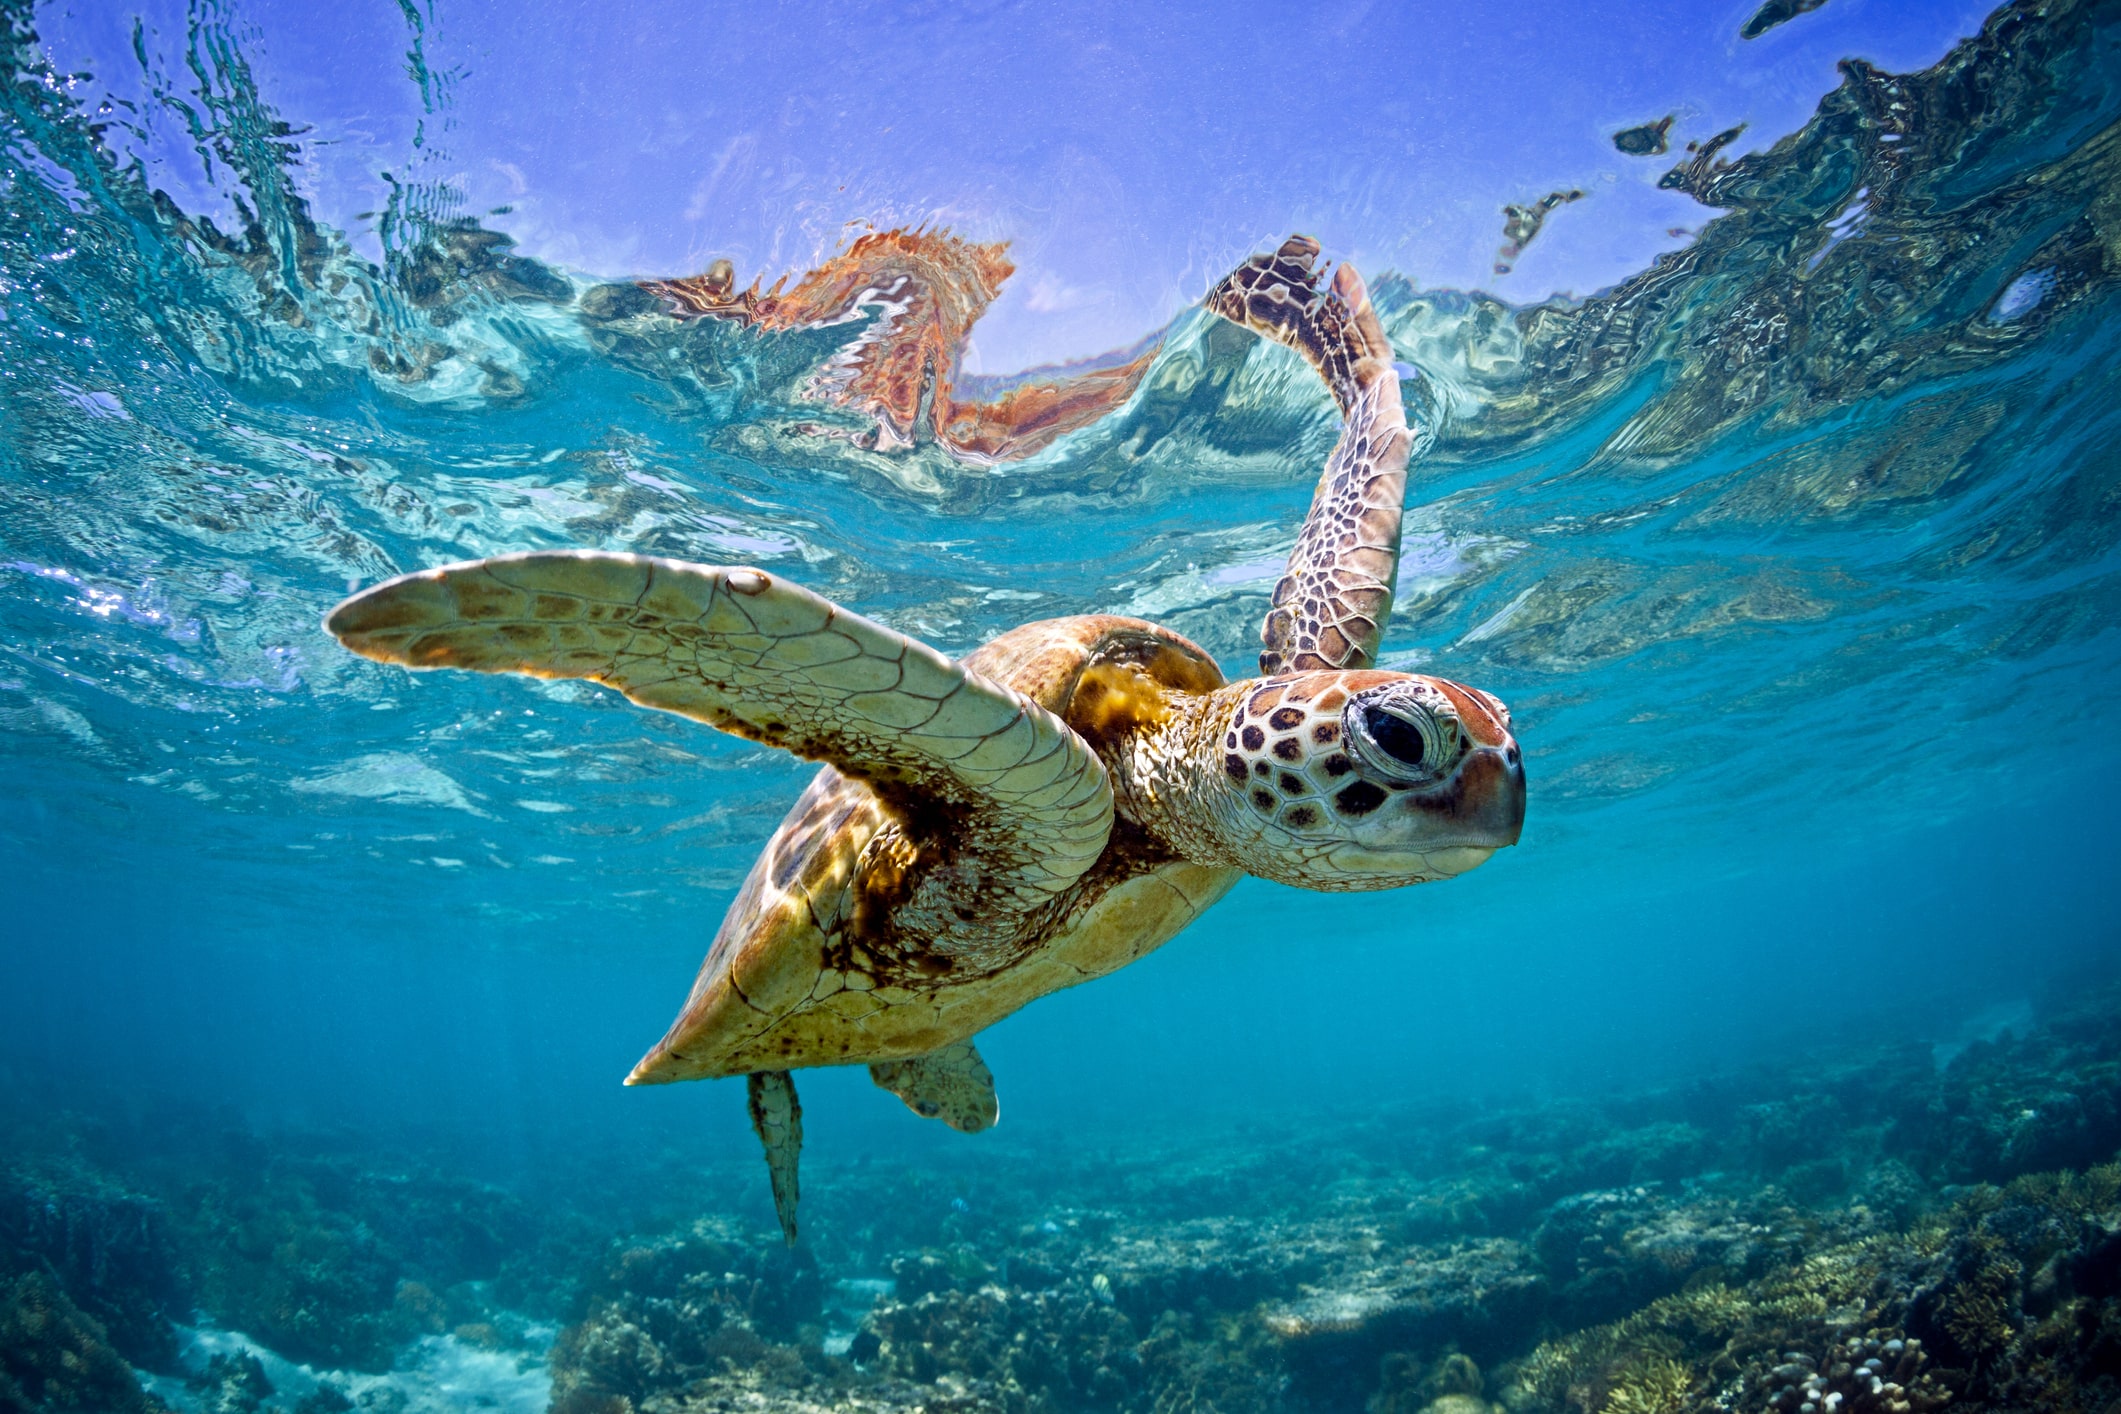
(777, 1119)
(952, 1085)
(1257, 776)
(1330, 606)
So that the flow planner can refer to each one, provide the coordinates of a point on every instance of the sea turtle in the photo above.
(1057, 804)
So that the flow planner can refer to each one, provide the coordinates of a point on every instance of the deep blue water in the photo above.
(1795, 556)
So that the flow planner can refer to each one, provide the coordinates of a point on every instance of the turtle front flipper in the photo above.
(1330, 606)
(1016, 804)
(777, 1116)
(952, 1085)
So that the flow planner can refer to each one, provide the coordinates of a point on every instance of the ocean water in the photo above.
(1796, 553)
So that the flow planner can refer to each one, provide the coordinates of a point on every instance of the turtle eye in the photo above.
(1407, 735)
(1401, 739)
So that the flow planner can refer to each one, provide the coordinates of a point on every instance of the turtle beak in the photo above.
(1481, 807)
(1484, 797)
(1489, 791)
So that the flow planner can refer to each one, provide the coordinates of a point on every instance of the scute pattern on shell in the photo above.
(816, 962)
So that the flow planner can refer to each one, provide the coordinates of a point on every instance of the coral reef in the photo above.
(2003, 1301)
(53, 1356)
(1771, 1240)
(336, 1258)
(232, 1384)
(694, 1307)
(1887, 1228)
(333, 1265)
(107, 1246)
(2049, 1099)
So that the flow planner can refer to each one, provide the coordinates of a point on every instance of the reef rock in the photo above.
(54, 1356)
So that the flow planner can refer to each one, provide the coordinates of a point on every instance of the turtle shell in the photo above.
(808, 968)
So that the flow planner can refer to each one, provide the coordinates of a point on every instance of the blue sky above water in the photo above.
(1130, 153)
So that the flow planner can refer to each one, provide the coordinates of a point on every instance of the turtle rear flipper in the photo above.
(777, 1117)
(1330, 606)
(1001, 786)
(952, 1085)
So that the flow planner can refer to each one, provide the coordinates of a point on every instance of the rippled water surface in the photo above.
(1848, 449)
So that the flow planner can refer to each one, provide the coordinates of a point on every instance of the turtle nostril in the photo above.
(1511, 755)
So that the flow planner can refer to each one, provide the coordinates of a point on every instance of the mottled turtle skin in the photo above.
(1060, 803)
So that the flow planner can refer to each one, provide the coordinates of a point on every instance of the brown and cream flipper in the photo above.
(1025, 800)
(1330, 606)
(777, 1117)
(952, 1085)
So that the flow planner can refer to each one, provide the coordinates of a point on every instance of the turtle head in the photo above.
(1366, 780)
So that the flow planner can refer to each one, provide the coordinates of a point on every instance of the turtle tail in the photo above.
(778, 1117)
(1278, 297)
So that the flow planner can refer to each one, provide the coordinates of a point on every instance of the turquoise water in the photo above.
(1795, 556)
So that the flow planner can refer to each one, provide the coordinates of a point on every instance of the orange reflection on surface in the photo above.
(926, 288)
